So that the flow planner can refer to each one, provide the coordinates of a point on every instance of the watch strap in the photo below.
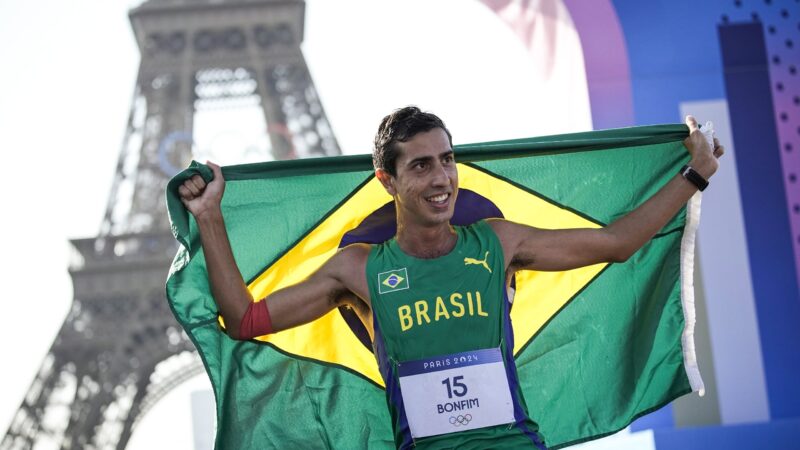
(693, 177)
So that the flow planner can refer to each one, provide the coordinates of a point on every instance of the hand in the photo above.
(202, 198)
(704, 159)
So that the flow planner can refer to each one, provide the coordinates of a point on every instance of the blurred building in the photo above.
(120, 350)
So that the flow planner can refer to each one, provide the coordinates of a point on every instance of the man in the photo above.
(435, 294)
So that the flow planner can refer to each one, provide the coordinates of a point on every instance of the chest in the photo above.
(451, 304)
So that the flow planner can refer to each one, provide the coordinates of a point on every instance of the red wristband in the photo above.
(256, 321)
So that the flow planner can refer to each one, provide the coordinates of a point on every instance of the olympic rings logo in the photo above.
(460, 420)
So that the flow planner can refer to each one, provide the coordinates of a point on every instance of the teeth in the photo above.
(438, 198)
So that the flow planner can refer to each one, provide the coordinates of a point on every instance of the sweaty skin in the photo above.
(425, 190)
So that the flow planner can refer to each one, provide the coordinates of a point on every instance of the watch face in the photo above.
(693, 177)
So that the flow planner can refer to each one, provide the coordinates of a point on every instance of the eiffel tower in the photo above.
(119, 350)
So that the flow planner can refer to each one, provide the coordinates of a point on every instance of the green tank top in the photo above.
(430, 312)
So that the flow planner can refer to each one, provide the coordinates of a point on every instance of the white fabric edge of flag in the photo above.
(687, 293)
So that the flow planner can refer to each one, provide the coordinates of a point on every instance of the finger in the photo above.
(217, 170)
(198, 183)
(719, 151)
(185, 193)
(190, 186)
(691, 122)
(716, 142)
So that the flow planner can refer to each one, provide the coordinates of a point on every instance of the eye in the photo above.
(449, 159)
(420, 165)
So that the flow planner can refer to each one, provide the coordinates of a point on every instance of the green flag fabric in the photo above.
(595, 347)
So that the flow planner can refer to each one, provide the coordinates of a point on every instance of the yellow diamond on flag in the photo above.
(393, 280)
(329, 339)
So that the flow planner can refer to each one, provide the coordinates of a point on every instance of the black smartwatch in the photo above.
(693, 177)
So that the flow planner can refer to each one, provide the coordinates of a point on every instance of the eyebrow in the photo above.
(429, 158)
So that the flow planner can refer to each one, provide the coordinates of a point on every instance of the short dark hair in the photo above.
(400, 126)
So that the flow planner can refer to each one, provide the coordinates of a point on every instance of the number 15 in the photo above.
(457, 387)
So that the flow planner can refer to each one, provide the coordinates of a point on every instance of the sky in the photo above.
(65, 93)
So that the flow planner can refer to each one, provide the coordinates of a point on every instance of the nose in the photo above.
(441, 177)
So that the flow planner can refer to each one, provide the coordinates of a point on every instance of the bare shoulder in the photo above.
(512, 235)
(507, 231)
(499, 225)
(354, 254)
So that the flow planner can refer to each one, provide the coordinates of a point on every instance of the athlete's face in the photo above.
(426, 184)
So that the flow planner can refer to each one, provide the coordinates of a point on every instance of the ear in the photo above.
(387, 180)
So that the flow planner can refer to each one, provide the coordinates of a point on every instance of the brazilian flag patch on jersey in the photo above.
(393, 280)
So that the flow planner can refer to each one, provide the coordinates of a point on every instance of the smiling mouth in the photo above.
(440, 199)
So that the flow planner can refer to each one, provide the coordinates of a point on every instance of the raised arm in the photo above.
(334, 284)
(538, 249)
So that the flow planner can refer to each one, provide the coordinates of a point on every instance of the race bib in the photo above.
(457, 392)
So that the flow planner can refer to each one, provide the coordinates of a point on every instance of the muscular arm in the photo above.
(340, 281)
(332, 285)
(538, 249)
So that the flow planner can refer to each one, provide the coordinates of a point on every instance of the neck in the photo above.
(426, 242)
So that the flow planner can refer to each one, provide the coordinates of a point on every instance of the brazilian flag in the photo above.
(595, 347)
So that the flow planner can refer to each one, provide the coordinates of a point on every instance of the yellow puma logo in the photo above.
(468, 261)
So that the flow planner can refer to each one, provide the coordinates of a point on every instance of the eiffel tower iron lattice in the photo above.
(119, 349)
